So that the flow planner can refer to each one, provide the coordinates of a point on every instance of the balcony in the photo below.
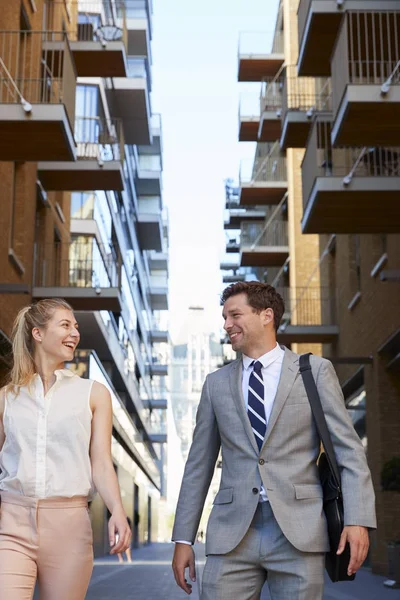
(229, 266)
(149, 175)
(231, 278)
(139, 32)
(237, 216)
(264, 244)
(349, 190)
(82, 272)
(128, 99)
(318, 25)
(159, 336)
(97, 32)
(232, 245)
(158, 292)
(100, 152)
(309, 316)
(157, 369)
(157, 431)
(158, 261)
(149, 223)
(37, 96)
(249, 118)
(156, 147)
(302, 98)
(156, 404)
(264, 180)
(257, 58)
(366, 80)
(270, 128)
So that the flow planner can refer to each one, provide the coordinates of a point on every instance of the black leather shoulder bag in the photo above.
(336, 565)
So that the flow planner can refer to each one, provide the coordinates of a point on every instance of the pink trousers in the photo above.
(49, 540)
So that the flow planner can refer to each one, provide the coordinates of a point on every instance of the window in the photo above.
(87, 101)
(356, 406)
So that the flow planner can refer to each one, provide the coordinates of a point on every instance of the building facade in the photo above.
(326, 175)
(83, 217)
(194, 355)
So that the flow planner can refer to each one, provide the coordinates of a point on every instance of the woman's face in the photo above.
(60, 337)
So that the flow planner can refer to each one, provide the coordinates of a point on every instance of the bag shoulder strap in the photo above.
(318, 414)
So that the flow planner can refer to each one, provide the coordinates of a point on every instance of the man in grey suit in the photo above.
(267, 522)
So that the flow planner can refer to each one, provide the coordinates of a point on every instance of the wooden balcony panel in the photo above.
(82, 298)
(262, 193)
(45, 134)
(367, 205)
(94, 60)
(248, 129)
(129, 101)
(308, 334)
(295, 130)
(253, 68)
(263, 256)
(317, 38)
(81, 175)
(270, 128)
(367, 118)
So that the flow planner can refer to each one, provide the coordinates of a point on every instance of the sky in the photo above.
(195, 88)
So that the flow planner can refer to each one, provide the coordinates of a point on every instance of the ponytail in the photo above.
(35, 315)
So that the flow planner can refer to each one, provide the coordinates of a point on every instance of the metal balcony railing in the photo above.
(306, 94)
(77, 264)
(36, 67)
(271, 94)
(256, 235)
(149, 162)
(232, 194)
(312, 305)
(99, 138)
(260, 43)
(158, 281)
(366, 52)
(323, 160)
(89, 20)
(271, 167)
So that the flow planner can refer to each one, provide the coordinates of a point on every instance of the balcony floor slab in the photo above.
(367, 205)
(43, 134)
(81, 175)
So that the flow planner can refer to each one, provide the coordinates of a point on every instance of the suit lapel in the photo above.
(235, 382)
(290, 368)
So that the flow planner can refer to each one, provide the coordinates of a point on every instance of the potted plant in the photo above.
(390, 481)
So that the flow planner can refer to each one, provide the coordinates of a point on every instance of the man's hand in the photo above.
(358, 539)
(184, 557)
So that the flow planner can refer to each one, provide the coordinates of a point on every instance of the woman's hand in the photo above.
(119, 526)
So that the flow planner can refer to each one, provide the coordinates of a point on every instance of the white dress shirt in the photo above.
(271, 372)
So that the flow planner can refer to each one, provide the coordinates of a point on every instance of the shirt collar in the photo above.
(62, 373)
(266, 359)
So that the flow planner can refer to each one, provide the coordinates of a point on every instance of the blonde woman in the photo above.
(55, 441)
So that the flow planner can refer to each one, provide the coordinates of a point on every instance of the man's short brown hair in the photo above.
(259, 296)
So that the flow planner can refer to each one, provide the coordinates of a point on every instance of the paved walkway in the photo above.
(149, 577)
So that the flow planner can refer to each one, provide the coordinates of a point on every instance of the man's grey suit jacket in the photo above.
(286, 464)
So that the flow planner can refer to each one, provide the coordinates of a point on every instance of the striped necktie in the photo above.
(256, 407)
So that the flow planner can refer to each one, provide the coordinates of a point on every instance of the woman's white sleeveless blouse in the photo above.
(46, 448)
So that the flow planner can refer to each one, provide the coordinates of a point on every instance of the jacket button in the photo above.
(255, 490)
(261, 461)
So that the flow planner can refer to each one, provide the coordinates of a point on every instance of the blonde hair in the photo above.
(35, 315)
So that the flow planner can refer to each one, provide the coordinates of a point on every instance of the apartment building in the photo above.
(326, 173)
(195, 353)
(82, 215)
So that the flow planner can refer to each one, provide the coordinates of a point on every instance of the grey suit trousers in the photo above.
(264, 554)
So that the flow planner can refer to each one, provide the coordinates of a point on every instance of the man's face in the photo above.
(246, 328)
